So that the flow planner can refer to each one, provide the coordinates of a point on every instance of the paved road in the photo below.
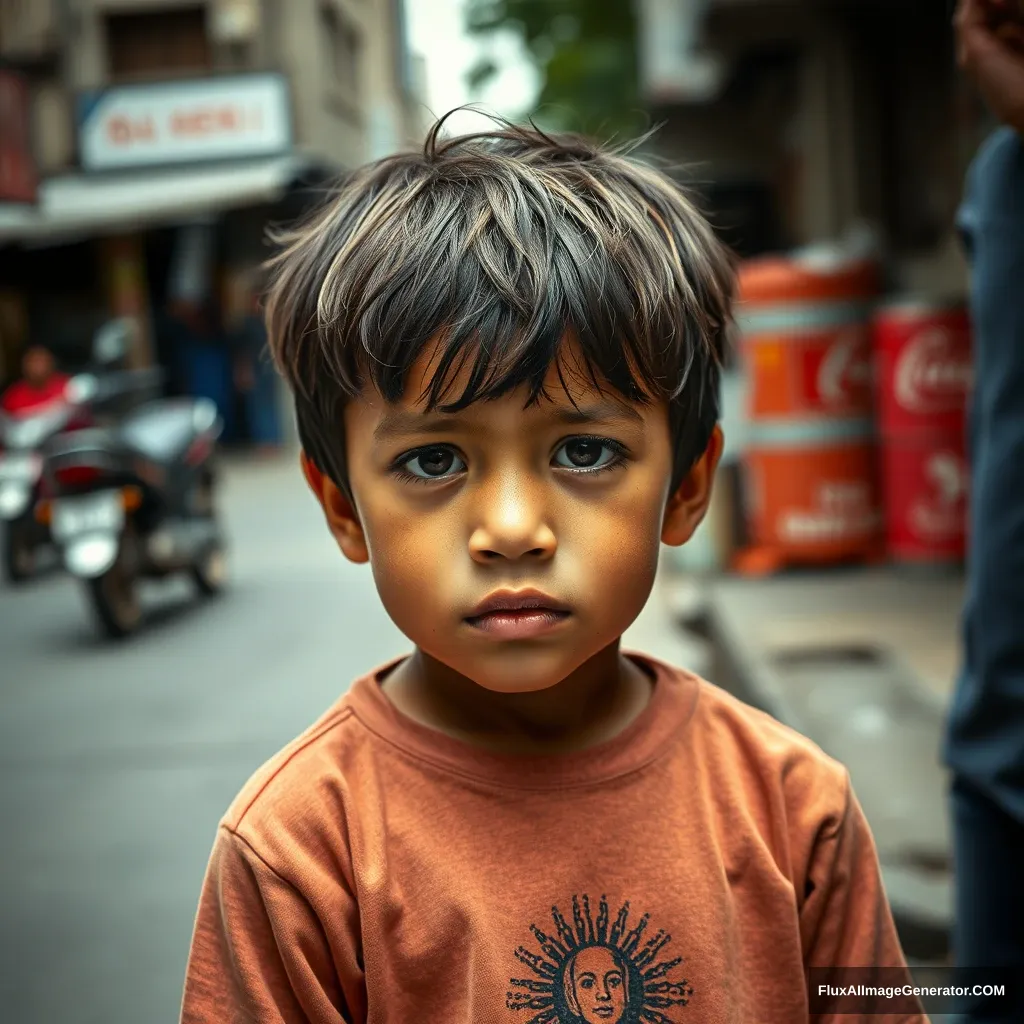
(117, 761)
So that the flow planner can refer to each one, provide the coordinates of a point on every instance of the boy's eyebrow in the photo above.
(402, 422)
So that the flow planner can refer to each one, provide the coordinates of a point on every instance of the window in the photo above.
(159, 44)
(341, 45)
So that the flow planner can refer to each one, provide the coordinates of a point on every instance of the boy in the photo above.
(505, 355)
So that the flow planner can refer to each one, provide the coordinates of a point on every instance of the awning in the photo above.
(76, 206)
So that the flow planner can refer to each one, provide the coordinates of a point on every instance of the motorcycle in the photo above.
(137, 500)
(22, 437)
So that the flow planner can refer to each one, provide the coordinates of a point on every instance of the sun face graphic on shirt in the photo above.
(598, 972)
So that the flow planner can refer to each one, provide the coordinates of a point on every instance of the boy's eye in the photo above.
(433, 463)
(579, 454)
(588, 453)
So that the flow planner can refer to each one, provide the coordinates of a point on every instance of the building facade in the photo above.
(810, 117)
(352, 81)
(148, 143)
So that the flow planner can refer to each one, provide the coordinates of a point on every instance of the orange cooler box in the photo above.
(811, 490)
(807, 338)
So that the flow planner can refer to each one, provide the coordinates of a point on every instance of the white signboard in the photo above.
(184, 122)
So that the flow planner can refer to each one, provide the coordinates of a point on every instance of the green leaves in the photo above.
(585, 51)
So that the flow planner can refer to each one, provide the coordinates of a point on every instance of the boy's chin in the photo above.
(520, 686)
(520, 670)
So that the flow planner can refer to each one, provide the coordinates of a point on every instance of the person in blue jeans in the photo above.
(984, 744)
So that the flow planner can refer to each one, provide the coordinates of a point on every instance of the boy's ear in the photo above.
(687, 507)
(341, 516)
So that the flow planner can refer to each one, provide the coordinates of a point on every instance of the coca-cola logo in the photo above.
(846, 367)
(939, 514)
(948, 475)
(933, 373)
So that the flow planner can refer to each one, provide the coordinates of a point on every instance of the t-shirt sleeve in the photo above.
(845, 920)
(259, 953)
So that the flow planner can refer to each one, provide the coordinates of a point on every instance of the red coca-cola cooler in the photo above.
(924, 374)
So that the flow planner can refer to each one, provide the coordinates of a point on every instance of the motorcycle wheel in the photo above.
(114, 595)
(210, 573)
(19, 556)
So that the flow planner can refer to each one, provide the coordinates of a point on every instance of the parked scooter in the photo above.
(22, 438)
(136, 500)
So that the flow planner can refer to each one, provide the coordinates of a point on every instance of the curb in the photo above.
(919, 900)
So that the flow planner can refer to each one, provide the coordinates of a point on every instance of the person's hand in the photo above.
(990, 48)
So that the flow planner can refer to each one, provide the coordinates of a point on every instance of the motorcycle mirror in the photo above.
(82, 389)
(111, 343)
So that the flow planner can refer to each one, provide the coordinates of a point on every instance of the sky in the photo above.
(436, 32)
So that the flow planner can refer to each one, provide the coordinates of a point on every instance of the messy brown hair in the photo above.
(496, 245)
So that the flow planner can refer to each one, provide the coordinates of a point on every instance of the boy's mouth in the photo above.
(517, 615)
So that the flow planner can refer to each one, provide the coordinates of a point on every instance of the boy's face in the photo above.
(453, 509)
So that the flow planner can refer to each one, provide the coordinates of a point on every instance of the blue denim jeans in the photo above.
(989, 862)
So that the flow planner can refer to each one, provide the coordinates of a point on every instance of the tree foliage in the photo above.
(585, 51)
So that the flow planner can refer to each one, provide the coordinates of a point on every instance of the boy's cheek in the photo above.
(603, 566)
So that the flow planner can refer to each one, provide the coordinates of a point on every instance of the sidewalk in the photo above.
(914, 619)
(863, 662)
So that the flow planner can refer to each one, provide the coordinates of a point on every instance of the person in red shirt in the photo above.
(41, 382)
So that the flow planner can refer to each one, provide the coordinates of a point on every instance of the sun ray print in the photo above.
(598, 971)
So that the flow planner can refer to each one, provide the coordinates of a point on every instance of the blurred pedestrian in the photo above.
(985, 738)
(202, 366)
(41, 382)
(255, 376)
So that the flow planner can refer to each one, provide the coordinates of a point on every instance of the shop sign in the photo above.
(184, 122)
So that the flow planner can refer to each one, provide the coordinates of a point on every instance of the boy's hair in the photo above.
(498, 244)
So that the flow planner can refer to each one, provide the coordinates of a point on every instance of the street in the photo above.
(118, 760)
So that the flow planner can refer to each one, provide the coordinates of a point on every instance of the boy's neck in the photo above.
(591, 705)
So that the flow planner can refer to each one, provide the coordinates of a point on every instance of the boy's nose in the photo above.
(511, 523)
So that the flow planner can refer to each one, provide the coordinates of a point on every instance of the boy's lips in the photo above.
(518, 615)
(517, 601)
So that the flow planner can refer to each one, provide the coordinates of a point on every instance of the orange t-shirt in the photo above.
(689, 869)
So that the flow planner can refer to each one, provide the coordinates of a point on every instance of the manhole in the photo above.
(848, 656)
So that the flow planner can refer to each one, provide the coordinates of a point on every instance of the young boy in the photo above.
(505, 354)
